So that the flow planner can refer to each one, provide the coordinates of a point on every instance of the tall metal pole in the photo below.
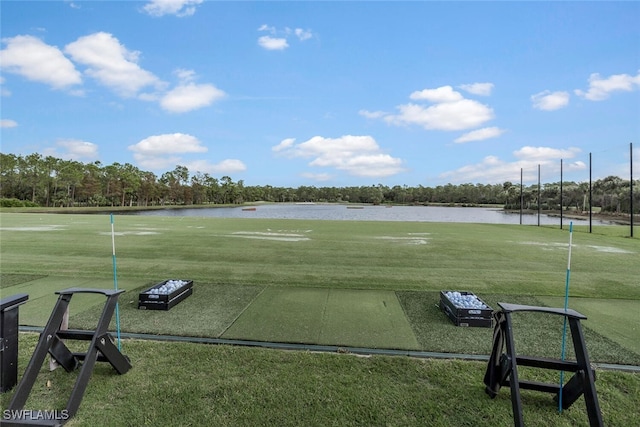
(538, 195)
(561, 204)
(590, 196)
(631, 184)
(521, 198)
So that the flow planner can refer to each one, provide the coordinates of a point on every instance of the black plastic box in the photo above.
(466, 316)
(150, 301)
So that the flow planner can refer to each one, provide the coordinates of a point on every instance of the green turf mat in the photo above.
(207, 312)
(618, 320)
(326, 316)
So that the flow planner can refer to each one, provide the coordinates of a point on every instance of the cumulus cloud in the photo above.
(188, 96)
(7, 123)
(73, 149)
(283, 145)
(438, 95)
(76, 149)
(457, 115)
(480, 134)
(111, 64)
(601, 88)
(278, 39)
(168, 143)
(492, 169)
(37, 61)
(449, 110)
(549, 101)
(161, 151)
(356, 155)
(179, 8)
(483, 89)
(225, 167)
(273, 43)
(545, 153)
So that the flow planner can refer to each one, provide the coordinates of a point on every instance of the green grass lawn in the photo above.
(617, 319)
(184, 384)
(233, 260)
(345, 283)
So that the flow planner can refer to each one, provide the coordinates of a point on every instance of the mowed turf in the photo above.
(42, 296)
(617, 319)
(232, 260)
(349, 317)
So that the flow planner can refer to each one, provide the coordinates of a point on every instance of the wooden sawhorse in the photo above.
(502, 368)
(101, 349)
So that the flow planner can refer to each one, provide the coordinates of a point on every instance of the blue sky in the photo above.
(291, 93)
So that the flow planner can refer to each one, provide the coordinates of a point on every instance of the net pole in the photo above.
(115, 278)
(566, 307)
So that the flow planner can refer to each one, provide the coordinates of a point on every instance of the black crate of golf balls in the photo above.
(165, 295)
(466, 309)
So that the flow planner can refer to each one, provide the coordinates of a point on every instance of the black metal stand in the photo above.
(503, 368)
(101, 349)
(9, 340)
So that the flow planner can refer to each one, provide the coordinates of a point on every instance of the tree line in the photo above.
(48, 181)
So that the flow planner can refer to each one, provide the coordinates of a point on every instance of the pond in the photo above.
(370, 213)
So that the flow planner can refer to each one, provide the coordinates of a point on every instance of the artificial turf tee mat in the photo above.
(367, 318)
(404, 320)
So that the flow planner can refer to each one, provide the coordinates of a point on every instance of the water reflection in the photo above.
(370, 213)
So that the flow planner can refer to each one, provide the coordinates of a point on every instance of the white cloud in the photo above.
(190, 96)
(284, 144)
(169, 143)
(457, 115)
(356, 155)
(161, 151)
(35, 60)
(549, 101)
(157, 163)
(111, 64)
(545, 153)
(480, 134)
(225, 167)
(495, 170)
(372, 114)
(278, 39)
(600, 88)
(179, 8)
(483, 89)
(265, 27)
(438, 95)
(273, 43)
(303, 34)
(451, 111)
(7, 123)
(77, 149)
(73, 149)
